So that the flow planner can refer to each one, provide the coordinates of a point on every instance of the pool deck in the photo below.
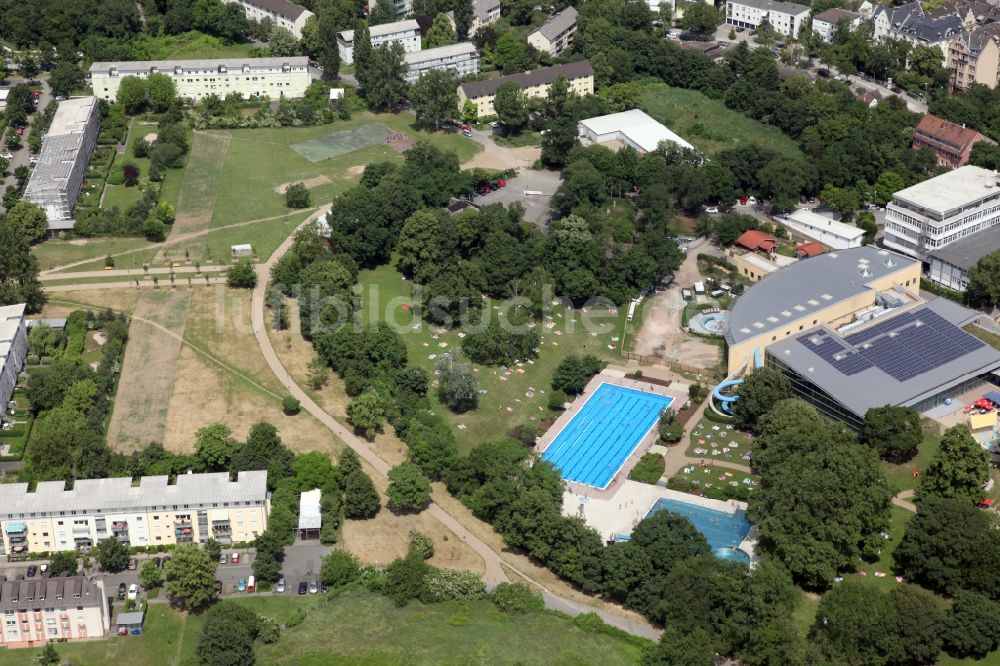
(644, 445)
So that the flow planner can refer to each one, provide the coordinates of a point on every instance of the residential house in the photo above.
(579, 75)
(460, 60)
(824, 24)
(912, 24)
(556, 34)
(39, 610)
(484, 12)
(950, 141)
(974, 57)
(281, 13)
(406, 33)
(787, 18)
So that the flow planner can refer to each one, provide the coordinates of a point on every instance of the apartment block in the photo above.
(974, 57)
(13, 349)
(281, 13)
(406, 33)
(39, 610)
(484, 12)
(460, 60)
(786, 18)
(911, 23)
(154, 512)
(56, 181)
(950, 142)
(197, 79)
(824, 24)
(556, 34)
(579, 75)
(937, 212)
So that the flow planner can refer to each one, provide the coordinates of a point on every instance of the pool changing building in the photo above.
(851, 332)
(628, 128)
(57, 179)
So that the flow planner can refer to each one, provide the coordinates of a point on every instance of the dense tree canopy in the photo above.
(894, 432)
(959, 468)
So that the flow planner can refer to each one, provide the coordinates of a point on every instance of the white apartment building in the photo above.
(824, 24)
(39, 610)
(406, 33)
(13, 349)
(939, 211)
(460, 60)
(579, 75)
(282, 13)
(197, 79)
(484, 12)
(155, 512)
(556, 34)
(55, 183)
(786, 18)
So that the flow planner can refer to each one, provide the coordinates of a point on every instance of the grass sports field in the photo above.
(341, 143)
(361, 628)
(707, 123)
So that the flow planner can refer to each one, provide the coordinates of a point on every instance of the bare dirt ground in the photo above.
(150, 137)
(60, 305)
(148, 370)
(493, 156)
(661, 333)
(309, 183)
(198, 188)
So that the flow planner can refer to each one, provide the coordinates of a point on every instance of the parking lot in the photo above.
(532, 189)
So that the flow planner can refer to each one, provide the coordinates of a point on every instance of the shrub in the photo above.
(649, 469)
(421, 546)
(557, 400)
(241, 274)
(672, 433)
(290, 405)
(297, 196)
(517, 599)
(339, 568)
(140, 148)
(452, 585)
(130, 174)
(32, 359)
(116, 177)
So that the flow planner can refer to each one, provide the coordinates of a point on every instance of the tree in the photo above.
(111, 555)
(28, 66)
(855, 624)
(382, 11)
(242, 274)
(677, 649)
(866, 221)
(408, 490)
(366, 413)
(29, 219)
(894, 432)
(434, 97)
(339, 568)
(282, 43)
(760, 390)
(132, 94)
(264, 451)
(440, 33)
(270, 547)
(405, 579)
(361, 500)
(464, 16)
(63, 561)
(131, 174)
(215, 446)
(49, 656)
(383, 79)
(228, 635)
(701, 18)
(510, 107)
(150, 575)
(844, 200)
(559, 140)
(328, 56)
(984, 281)
(888, 183)
(971, 629)
(190, 576)
(457, 386)
(212, 548)
(470, 112)
(297, 196)
(920, 624)
(517, 599)
(959, 468)
(65, 78)
(161, 92)
(573, 373)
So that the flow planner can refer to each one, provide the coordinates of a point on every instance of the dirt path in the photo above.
(199, 188)
(148, 370)
(904, 501)
(493, 156)
(661, 333)
(309, 183)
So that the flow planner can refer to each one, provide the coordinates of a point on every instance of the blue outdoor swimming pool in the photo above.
(723, 531)
(592, 447)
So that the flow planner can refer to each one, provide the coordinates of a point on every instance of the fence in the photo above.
(708, 374)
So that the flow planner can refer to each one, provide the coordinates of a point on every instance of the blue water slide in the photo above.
(725, 400)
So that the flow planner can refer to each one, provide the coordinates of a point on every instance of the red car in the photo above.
(501, 182)
(19, 131)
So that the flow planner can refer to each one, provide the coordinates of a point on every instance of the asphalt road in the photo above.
(21, 154)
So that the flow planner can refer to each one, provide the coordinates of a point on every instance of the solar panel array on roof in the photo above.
(904, 346)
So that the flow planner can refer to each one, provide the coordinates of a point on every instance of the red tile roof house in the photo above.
(757, 241)
(810, 249)
(950, 142)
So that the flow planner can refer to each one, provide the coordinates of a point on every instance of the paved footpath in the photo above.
(494, 564)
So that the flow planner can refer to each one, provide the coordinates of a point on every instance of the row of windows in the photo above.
(175, 507)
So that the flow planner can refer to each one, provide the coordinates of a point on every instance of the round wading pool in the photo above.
(710, 323)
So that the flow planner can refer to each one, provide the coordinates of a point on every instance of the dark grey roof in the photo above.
(482, 8)
(978, 38)
(280, 7)
(569, 71)
(558, 24)
(46, 592)
(873, 386)
(133, 618)
(930, 30)
(965, 252)
(806, 287)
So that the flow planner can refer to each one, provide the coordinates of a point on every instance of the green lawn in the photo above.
(707, 123)
(58, 253)
(712, 482)
(119, 195)
(358, 627)
(507, 402)
(901, 476)
(191, 46)
(717, 444)
(260, 160)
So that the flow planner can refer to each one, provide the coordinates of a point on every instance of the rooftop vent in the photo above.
(889, 262)
(864, 272)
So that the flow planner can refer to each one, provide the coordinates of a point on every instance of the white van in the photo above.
(251, 584)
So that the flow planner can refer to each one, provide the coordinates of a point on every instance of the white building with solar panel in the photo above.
(55, 183)
(851, 331)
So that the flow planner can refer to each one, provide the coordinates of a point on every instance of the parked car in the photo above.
(235, 558)
(711, 210)
(7, 156)
(43, 569)
(121, 591)
(280, 587)
(223, 559)
(824, 72)
(133, 564)
(313, 587)
(32, 570)
(242, 585)
(303, 587)
(133, 591)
